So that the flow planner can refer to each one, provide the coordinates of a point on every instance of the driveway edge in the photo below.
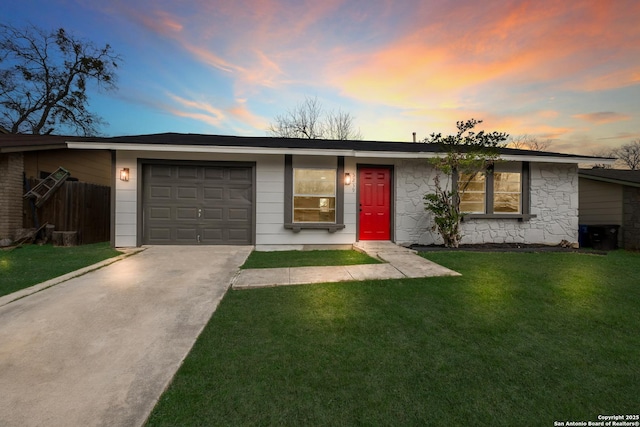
(8, 299)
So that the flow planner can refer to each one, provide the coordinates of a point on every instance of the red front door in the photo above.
(375, 203)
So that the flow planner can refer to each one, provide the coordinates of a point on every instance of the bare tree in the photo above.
(629, 154)
(339, 125)
(528, 142)
(308, 120)
(303, 121)
(603, 152)
(44, 77)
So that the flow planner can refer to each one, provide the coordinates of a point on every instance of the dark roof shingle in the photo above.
(619, 175)
(31, 142)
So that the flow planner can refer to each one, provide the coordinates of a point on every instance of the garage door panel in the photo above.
(158, 192)
(238, 214)
(240, 194)
(238, 235)
(186, 234)
(189, 193)
(213, 193)
(187, 213)
(240, 174)
(160, 213)
(213, 173)
(187, 172)
(185, 204)
(160, 234)
(213, 213)
(161, 171)
(213, 236)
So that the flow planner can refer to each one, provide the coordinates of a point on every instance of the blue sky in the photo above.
(568, 72)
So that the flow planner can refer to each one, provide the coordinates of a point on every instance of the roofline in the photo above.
(20, 149)
(233, 149)
(609, 180)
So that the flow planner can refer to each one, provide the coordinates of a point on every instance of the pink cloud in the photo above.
(241, 112)
(602, 117)
(197, 110)
(623, 136)
(432, 62)
(206, 112)
(528, 42)
(207, 57)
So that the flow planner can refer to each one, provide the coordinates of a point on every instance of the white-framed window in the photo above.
(314, 195)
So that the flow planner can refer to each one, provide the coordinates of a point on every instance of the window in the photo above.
(312, 202)
(506, 192)
(471, 188)
(502, 192)
(314, 195)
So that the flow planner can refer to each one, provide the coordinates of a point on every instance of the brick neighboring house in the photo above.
(612, 197)
(37, 156)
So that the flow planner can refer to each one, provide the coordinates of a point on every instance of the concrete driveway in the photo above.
(99, 349)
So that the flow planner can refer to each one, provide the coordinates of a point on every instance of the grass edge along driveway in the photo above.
(518, 339)
(29, 265)
(316, 258)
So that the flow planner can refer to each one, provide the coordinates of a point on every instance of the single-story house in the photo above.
(612, 197)
(187, 189)
(36, 156)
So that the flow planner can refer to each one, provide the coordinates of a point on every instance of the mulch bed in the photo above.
(505, 247)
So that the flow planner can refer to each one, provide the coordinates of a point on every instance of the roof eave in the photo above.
(205, 149)
(609, 180)
(557, 159)
(234, 149)
(22, 148)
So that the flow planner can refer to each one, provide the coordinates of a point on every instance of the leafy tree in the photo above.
(44, 77)
(629, 154)
(464, 154)
(308, 120)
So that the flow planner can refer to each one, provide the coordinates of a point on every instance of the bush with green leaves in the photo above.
(465, 153)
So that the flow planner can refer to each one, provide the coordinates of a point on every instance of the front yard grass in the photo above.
(32, 264)
(518, 339)
(307, 258)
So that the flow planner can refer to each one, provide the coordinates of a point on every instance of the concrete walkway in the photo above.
(399, 263)
(99, 349)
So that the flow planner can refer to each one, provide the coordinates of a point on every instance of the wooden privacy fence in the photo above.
(75, 206)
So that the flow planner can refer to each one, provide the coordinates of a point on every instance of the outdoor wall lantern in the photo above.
(124, 174)
(347, 179)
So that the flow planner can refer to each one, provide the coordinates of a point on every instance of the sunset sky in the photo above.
(568, 71)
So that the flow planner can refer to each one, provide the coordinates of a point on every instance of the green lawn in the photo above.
(307, 258)
(32, 264)
(519, 339)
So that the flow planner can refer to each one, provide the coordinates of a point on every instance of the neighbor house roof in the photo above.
(176, 142)
(14, 143)
(615, 176)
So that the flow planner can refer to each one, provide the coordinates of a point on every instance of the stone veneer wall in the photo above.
(11, 169)
(631, 218)
(554, 201)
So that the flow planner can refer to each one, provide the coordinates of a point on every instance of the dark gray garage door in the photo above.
(189, 204)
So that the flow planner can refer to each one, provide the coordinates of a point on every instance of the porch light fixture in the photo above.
(347, 179)
(124, 174)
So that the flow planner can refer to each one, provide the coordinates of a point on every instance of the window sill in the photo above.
(519, 217)
(331, 228)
